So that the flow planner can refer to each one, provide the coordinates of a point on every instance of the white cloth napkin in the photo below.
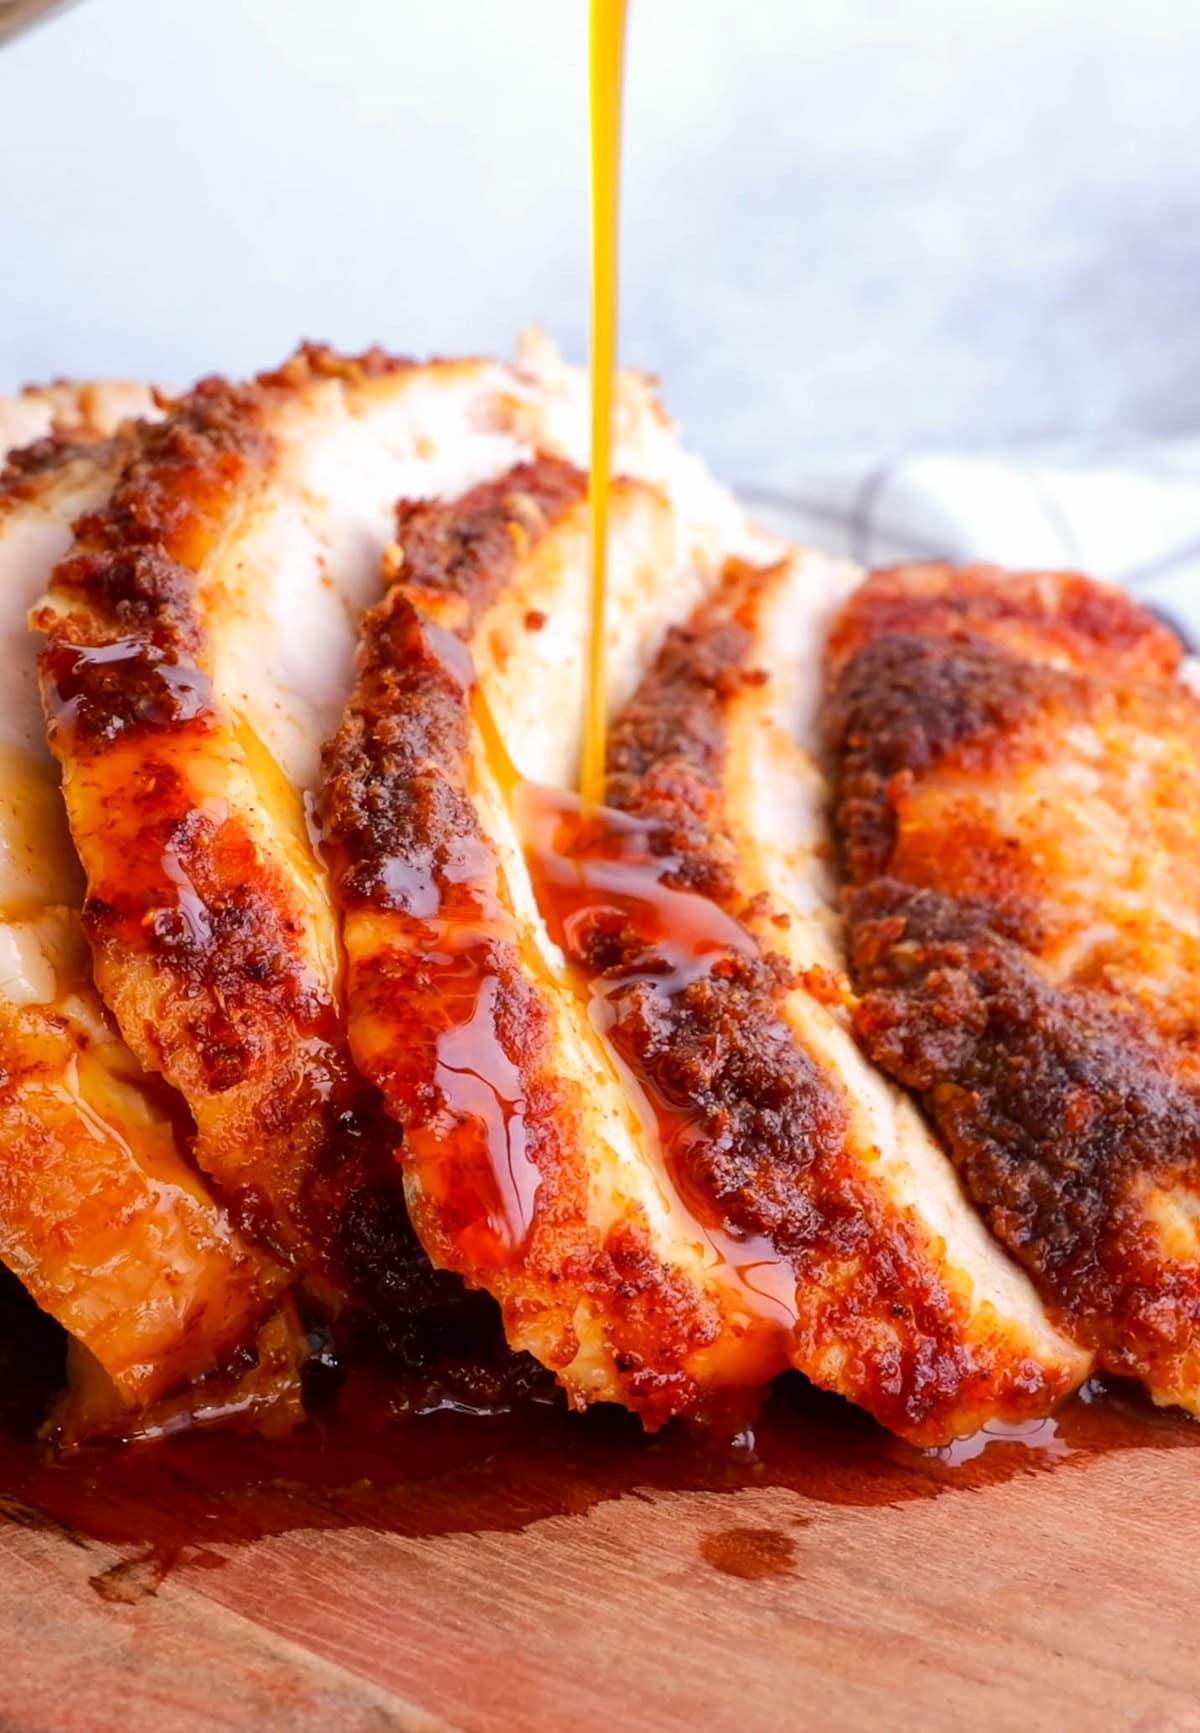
(1127, 511)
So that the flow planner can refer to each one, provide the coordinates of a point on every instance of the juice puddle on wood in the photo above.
(188, 1500)
(185, 1503)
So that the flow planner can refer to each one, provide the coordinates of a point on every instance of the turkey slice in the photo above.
(101, 1214)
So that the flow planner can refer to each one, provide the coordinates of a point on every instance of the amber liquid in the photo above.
(597, 872)
(606, 62)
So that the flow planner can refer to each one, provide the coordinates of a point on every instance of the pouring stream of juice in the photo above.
(606, 61)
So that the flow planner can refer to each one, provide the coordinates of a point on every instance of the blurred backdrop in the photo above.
(849, 228)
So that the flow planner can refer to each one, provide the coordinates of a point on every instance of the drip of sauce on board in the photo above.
(606, 63)
(192, 1501)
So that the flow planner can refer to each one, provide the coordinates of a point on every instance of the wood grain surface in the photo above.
(552, 1573)
(18, 15)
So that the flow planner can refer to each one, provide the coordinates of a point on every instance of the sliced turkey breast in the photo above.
(617, 1046)
(200, 638)
(1018, 781)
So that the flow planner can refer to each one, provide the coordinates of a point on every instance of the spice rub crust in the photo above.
(1017, 768)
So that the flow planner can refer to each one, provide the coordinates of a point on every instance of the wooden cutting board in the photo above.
(556, 1573)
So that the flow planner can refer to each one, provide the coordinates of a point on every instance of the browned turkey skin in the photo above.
(1017, 770)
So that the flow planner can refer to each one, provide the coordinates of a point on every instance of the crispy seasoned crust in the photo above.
(101, 1213)
(715, 1044)
(23, 470)
(314, 361)
(443, 983)
(666, 748)
(902, 704)
(770, 1146)
(469, 553)
(45, 426)
(1060, 1109)
(200, 902)
(387, 797)
(1055, 619)
(393, 786)
(135, 563)
(1018, 771)
(183, 665)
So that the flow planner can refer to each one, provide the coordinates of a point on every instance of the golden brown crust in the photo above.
(1051, 618)
(441, 986)
(394, 800)
(666, 749)
(753, 1130)
(24, 472)
(468, 554)
(135, 563)
(1059, 1109)
(208, 909)
(318, 361)
(1017, 777)
(108, 1227)
(47, 426)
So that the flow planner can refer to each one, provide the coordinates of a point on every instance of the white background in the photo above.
(851, 226)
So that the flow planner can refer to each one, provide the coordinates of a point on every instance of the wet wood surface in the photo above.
(546, 1572)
